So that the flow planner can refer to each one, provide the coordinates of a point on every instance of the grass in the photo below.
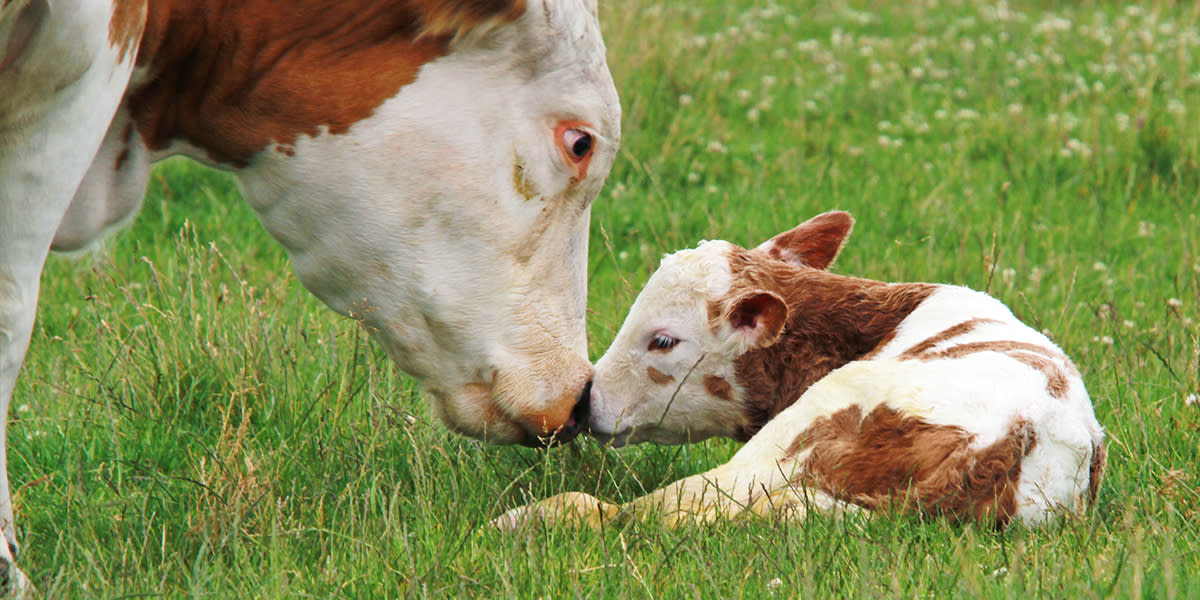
(191, 423)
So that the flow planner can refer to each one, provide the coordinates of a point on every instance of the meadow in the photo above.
(191, 423)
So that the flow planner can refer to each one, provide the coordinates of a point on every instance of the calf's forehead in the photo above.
(687, 278)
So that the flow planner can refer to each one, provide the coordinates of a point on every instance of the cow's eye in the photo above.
(662, 343)
(577, 144)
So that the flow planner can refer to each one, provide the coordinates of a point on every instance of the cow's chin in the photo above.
(473, 410)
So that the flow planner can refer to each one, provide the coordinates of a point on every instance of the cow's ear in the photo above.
(757, 318)
(814, 243)
(457, 17)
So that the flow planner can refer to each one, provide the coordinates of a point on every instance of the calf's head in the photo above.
(668, 376)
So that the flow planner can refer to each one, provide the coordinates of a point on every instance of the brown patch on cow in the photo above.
(125, 26)
(718, 387)
(1096, 470)
(832, 320)
(231, 78)
(659, 377)
(454, 17)
(521, 182)
(887, 460)
(947, 334)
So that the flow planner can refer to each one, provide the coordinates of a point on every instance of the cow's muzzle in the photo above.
(573, 427)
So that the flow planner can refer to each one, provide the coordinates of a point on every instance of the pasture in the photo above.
(192, 423)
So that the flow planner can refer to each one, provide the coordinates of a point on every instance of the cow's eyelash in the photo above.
(661, 342)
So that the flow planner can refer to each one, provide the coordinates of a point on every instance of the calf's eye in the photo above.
(661, 342)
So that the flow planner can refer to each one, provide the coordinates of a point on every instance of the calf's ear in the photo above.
(757, 318)
(814, 243)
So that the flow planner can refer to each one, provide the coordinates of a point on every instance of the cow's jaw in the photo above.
(454, 227)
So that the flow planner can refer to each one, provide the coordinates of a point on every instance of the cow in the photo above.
(429, 166)
(851, 394)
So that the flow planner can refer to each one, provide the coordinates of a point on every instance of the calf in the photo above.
(852, 394)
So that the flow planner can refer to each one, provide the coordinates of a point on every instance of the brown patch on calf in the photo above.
(832, 320)
(659, 377)
(1052, 364)
(718, 387)
(232, 78)
(884, 459)
(125, 27)
(922, 348)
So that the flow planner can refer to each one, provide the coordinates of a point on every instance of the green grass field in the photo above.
(192, 423)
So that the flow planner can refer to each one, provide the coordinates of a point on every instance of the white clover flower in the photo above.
(744, 95)
(884, 125)
(1099, 266)
(966, 114)
(1191, 399)
(716, 147)
(712, 189)
(1123, 121)
(693, 177)
(1016, 108)
(752, 115)
(1174, 302)
(1145, 229)
(1175, 107)
(686, 100)
(1074, 146)
(774, 584)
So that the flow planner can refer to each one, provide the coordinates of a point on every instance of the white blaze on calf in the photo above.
(428, 164)
(852, 393)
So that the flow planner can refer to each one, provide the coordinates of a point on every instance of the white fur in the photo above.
(59, 95)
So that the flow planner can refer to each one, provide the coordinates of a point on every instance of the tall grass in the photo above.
(190, 423)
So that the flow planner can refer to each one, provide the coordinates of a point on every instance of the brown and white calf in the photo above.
(428, 164)
(852, 393)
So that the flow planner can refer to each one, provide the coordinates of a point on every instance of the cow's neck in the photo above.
(833, 320)
(231, 79)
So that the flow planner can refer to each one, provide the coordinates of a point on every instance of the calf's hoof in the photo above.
(572, 509)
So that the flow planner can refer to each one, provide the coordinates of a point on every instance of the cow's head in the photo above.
(453, 222)
(670, 374)
(429, 164)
